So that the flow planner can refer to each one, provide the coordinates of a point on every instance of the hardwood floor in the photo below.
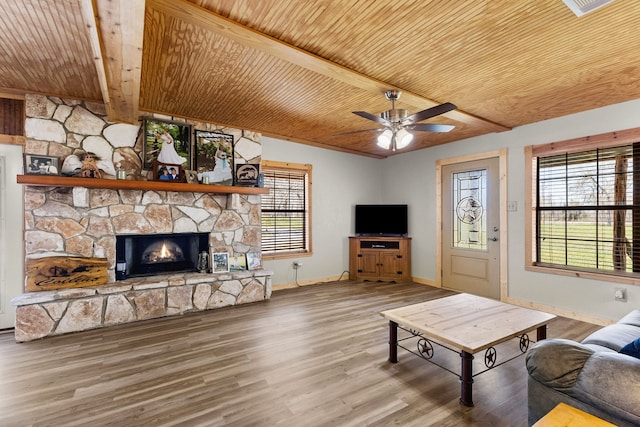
(311, 356)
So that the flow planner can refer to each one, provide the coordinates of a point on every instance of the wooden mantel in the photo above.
(122, 184)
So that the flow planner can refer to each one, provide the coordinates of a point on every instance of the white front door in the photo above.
(11, 232)
(471, 227)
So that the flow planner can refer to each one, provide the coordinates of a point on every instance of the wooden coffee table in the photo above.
(469, 324)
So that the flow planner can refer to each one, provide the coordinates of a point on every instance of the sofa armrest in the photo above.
(557, 363)
(610, 381)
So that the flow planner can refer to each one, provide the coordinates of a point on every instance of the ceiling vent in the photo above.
(580, 7)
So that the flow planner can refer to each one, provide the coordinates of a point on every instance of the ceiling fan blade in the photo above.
(429, 112)
(431, 127)
(373, 117)
(358, 131)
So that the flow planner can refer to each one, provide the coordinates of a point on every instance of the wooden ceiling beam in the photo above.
(116, 30)
(201, 17)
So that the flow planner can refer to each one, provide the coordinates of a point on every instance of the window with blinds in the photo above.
(285, 210)
(588, 210)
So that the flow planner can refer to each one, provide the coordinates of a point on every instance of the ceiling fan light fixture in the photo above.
(384, 140)
(403, 138)
(394, 134)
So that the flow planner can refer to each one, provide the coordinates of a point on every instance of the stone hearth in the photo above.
(85, 222)
(42, 314)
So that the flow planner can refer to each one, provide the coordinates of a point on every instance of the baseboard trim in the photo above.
(559, 312)
(300, 284)
(425, 282)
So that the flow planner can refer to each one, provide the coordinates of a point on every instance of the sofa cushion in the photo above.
(613, 336)
(632, 318)
(632, 349)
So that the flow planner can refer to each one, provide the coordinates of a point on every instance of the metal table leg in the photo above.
(466, 379)
(541, 333)
(393, 342)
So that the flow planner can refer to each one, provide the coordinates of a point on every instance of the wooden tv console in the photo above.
(379, 258)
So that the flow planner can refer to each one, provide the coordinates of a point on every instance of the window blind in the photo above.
(588, 209)
(285, 211)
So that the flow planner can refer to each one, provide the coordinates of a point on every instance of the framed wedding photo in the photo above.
(220, 262)
(35, 164)
(166, 142)
(213, 157)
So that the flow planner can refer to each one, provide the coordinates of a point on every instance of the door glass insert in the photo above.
(469, 203)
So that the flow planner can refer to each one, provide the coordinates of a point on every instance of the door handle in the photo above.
(494, 239)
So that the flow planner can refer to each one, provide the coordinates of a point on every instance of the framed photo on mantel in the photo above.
(166, 142)
(167, 172)
(247, 174)
(36, 164)
(214, 157)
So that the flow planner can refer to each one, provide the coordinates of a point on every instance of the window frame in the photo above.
(300, 168)
(605, 140)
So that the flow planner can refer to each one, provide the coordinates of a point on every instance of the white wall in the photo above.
(341, 180)
(416, 171)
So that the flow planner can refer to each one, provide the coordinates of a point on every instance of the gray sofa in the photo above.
(591, 375)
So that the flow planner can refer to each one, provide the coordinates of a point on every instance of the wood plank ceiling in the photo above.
(297, 69)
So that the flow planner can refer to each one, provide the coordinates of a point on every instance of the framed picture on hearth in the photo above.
(254, 262)
(213, 157)
(220, 262)
(237, 262)
(166, 142)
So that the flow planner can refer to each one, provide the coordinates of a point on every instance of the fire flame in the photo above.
(164, 252)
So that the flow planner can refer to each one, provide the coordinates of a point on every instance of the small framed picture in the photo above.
(247, 174)
(191, 176)
(35, 164)
(254, 262)
(166, 172)
(237, 262)
(220, 262)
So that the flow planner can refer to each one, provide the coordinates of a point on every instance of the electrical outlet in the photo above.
(512, 206)
(620, 294)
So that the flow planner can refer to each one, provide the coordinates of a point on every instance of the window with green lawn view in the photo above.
(286, 217)
(587, 210)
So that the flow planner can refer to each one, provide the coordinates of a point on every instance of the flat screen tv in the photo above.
(382, 220)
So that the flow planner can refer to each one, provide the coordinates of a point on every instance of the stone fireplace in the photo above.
(75, 221)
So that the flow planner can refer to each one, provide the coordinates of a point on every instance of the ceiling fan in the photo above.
(397, 122)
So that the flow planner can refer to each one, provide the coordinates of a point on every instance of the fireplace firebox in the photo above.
(152, 254)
